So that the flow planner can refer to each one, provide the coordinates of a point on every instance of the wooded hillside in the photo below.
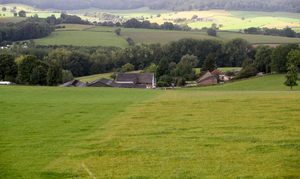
(175, 5)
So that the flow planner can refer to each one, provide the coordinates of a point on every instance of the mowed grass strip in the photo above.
(184, 134)
(82, 38)
(41, 124)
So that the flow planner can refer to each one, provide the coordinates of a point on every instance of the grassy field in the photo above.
(202, 132)
(265, 83)
(82, 38)
(87, 35)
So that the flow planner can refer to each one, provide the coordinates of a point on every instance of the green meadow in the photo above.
(82, 38)
(245, 129)
(88, 35)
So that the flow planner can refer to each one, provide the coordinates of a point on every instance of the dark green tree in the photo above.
(294, 58)
(211, 32)
(67, 76)
(236, 51)
(38, 76)
(291, 77)
(113, 76)
(263, 58)
(209, 63)
(54, 75)
(279, 57)
(118, 31)
(4, 9)
(162, 68)
(26, 67)
(22, 13)
(8, 67)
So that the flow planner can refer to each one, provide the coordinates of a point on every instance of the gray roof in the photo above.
(73, 83)
(104, 81)
(125, 85)
(127, 77)
(145, 77)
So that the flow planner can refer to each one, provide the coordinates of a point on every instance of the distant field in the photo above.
(230, 20)
(71, 27)
(145, 12)
(257, 39)
(246, 129)
(161, 36)
(82, 38)
(88, 35)
(12, 19)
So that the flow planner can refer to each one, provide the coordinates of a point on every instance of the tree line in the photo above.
(181, 56)
(286, 32)
(178, 5)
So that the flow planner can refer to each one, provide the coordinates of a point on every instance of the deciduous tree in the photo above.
(279, 57)
(26, 67)
(162, 68)
(54, 75)
(211, 32)
(38, 76)
(209, 63)
(263, 58)
(291, 77)
(22, 13)
(118, 31)
(8, 67)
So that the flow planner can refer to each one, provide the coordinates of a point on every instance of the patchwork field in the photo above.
(52, 132)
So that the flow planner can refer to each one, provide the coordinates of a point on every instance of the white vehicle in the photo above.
(5, 83)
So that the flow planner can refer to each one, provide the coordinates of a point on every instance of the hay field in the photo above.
(51, 132)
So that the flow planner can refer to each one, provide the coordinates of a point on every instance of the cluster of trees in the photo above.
(269, 59)
(34, 27)
(133, 23)
(29, 29)
(179, 5)
(29, 70)
(286, 32)
(172, 62)
(101, 15)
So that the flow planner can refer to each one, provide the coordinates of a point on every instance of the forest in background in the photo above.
(174, 5)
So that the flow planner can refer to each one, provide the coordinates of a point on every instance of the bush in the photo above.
(166, 78)
(180, 81)
(161, 84)
(229, 73)
(249, 71)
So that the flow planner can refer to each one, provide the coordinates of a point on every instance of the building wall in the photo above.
(209, 81)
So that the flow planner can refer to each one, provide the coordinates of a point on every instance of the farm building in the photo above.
(73, 83)
(103, 82)
(208, 78)
(136, 80)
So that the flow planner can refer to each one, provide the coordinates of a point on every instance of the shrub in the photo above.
(161, 84)
(249, 71)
